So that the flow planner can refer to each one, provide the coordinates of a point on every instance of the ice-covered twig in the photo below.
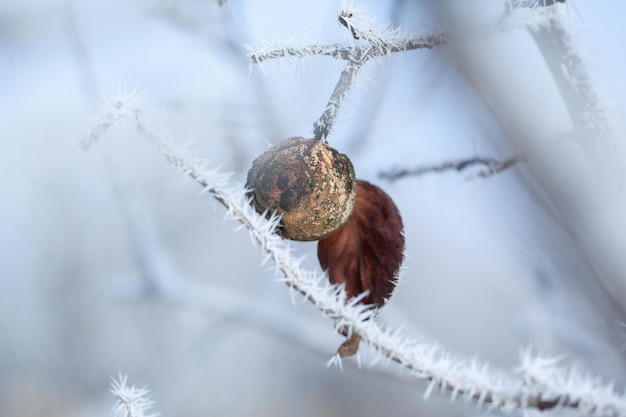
(362, 26)
(577, 72)
(471, 380)
(322, 126)
(381, 40)
(268, 52)
(555, 386)
(116, 109)
(529, 14)
(130, 401)
(377, 41)
(347, 53)
(356, 59)
(384, 39)
(491, 166)
(530, 4)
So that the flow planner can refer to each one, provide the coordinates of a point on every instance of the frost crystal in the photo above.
(131, 401)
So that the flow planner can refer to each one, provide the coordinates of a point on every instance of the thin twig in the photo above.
(423, 42)
(381, 41)
(577, 72)
(491, 166)
(379, 45)
(357, 57)
(333, 50)
(322, 126)
(348, 53)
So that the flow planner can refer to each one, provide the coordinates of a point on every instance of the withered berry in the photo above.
(306, 181)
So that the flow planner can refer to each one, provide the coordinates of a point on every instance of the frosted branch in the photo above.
(471, 380)
(381, 40)
(114, 110)
(270, 52)
(527, 14)
(362, 26)
(322, 126)
(130, 401)
(385, 39)
(577, 73)
(348, 53)
(554, 386)
(530, 4)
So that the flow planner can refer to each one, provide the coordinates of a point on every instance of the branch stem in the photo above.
(322, 127)
(491, 166)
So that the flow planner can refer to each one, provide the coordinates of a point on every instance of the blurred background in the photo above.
(110, 261)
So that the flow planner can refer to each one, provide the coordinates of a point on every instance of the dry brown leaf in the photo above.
(367, 251)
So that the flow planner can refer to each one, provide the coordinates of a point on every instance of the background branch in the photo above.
(491, 166)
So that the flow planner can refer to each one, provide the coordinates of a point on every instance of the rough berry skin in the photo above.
(308, 182)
